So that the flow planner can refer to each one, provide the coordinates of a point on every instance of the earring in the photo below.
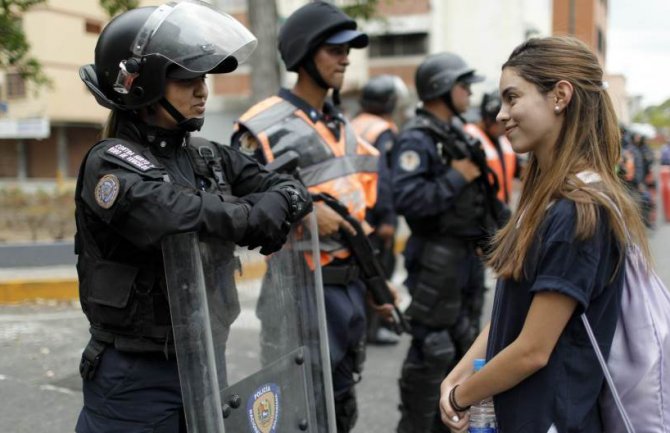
(557, 109)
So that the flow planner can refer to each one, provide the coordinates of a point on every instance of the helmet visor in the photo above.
(195, 37)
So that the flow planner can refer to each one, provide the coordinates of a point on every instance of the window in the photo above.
(390, 45)
(94, 27)
(16, 86)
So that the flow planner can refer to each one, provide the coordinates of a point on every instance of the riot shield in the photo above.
(250, 335)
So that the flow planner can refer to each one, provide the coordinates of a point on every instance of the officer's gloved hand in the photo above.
(268, 225)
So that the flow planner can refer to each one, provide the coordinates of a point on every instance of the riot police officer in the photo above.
(379, 99)
(148, 178)
(441, 188)
(500, 156)
(314, 42)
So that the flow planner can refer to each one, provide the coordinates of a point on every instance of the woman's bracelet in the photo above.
(452, 401)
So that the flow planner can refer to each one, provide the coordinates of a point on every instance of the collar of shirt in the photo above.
(329, 112)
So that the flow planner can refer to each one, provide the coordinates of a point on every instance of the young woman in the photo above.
(560, 254)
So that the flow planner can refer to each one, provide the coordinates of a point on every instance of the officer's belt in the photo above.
(340, 275)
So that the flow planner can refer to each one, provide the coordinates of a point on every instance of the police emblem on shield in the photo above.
(263, 409)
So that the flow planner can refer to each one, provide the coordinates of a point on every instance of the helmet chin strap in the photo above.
(450, 104)
(188, 125)
(310, 67)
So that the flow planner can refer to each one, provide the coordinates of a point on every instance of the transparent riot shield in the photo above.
(250, 335)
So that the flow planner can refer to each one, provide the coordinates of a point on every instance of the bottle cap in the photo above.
(479, 363)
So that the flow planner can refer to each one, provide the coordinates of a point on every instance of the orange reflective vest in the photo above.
(503, 168)
(345, 168)
(370, 126)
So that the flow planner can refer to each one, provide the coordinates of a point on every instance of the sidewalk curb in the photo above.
(20, 290)
(14, 291)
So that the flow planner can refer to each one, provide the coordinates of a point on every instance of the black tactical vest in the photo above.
(126, 301)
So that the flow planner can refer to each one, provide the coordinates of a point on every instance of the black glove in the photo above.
(268, 225)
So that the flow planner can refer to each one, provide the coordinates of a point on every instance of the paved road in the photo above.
(41, 344)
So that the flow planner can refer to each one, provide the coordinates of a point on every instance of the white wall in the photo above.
(484, 32)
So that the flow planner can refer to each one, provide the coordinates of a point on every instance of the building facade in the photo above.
(45, 136)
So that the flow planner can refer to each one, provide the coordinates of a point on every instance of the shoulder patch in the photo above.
(107, 190)
(248, 143)
(409, 160)
(128, 155)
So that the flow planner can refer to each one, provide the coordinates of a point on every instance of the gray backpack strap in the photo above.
(608, 376)
(206, 158)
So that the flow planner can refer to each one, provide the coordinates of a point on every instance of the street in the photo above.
(41, 344)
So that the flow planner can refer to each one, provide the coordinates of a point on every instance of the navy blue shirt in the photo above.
(566, 390)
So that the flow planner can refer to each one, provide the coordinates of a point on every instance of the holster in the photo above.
(90, 358)
(359, 355)
(437, 295)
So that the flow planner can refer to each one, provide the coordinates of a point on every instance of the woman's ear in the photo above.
(563, 94)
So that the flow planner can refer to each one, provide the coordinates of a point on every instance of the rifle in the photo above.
(359, 244)
(371, 270)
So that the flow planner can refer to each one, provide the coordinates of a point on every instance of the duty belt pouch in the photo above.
(437, 297)
(90, 359)
(359, 355)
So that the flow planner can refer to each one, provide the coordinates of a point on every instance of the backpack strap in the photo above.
(608, 376)
(206, 158)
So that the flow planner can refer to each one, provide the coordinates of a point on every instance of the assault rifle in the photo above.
(372, 272)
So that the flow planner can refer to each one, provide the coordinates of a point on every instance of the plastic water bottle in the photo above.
(482, 414)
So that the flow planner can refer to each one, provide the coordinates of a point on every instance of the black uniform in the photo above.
(131, 192)
(449, 218)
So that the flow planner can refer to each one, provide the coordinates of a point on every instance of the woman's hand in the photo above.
(456, 421)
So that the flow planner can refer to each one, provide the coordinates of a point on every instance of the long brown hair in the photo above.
(588, 141)
(110, 127)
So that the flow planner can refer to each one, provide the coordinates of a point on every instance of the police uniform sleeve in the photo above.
(422, 185)
(248, 177)
(142, 207)
(383, 211)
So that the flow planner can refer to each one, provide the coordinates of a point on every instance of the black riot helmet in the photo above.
(140, 48)
(309, 27)
(380, 94)
(490, 106)
(438, 73)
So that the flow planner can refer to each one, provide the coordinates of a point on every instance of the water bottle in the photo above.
(482, 415)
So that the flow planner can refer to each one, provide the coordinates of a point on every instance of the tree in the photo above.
(265, 74)
(14, 47)
(656, 115)
(363, 9)
(114, 7)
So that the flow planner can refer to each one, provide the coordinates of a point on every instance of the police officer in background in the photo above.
(500, 156)
(148, 178)
(440, 186)
(379, 99)
(315, 42)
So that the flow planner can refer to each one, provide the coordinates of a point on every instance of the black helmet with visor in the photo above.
(140, 48)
